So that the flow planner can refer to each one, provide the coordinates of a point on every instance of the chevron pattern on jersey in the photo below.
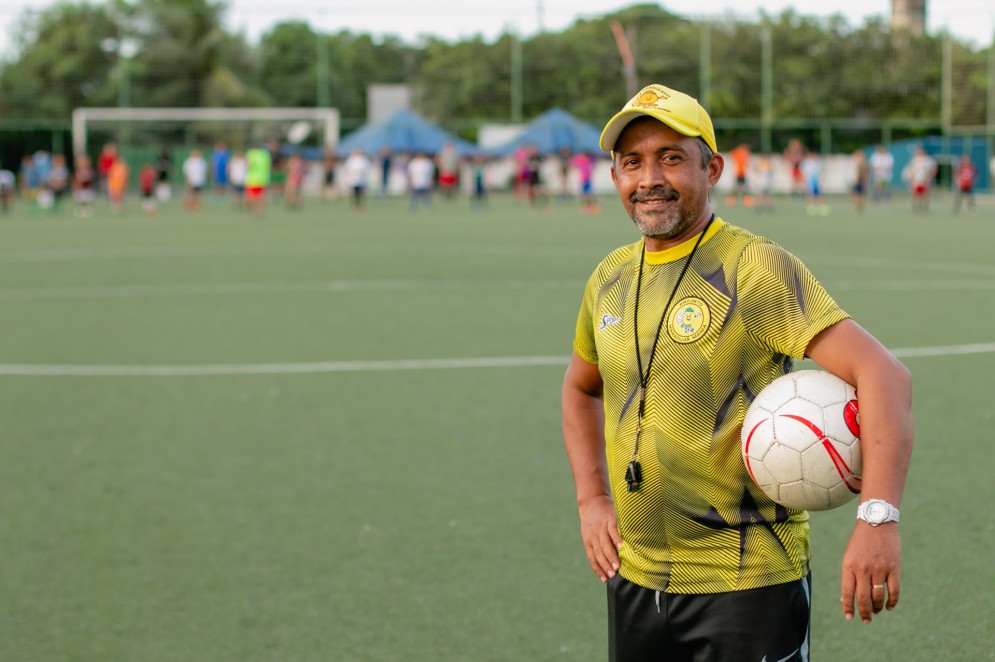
(744, 309)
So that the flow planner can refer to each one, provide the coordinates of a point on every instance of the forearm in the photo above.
(884, 394)
(583, 437)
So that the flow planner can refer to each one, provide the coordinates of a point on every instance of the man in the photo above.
(421, 176)
(84, 185)
(258, 170)
(967, 173)
(448, 159)
(691, 550)
(8, 182)
(919, 173)
(812, 172)
(220, 157)
(195, 174)
(740, 156)
(357, 166)
(882, 166)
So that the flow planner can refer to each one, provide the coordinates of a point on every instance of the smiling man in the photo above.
(676, 334)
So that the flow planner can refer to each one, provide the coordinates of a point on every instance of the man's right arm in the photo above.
(583, 436)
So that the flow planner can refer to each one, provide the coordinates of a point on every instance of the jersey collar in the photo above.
(684, 248)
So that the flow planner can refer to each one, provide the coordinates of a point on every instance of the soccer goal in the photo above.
(190, 126)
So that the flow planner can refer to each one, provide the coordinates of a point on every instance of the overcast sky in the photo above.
(451, 19)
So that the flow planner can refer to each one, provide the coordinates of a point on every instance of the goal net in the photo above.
(143, 131)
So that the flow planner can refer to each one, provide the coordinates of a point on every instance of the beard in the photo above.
(665, 223)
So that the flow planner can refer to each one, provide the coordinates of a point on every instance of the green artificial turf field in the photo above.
(324, 435)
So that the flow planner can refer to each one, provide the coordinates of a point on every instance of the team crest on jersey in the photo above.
(688, 320)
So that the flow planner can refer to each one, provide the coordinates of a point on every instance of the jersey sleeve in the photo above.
(584, 344)
(783, 306)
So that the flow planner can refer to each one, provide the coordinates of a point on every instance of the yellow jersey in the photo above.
(744, 310)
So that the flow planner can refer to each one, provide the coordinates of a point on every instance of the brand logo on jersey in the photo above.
(608, 320)
(688, 320)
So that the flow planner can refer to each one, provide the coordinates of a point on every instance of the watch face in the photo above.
(876, 512)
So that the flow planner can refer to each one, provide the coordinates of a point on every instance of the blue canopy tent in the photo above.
(553, 131)
(404, 131)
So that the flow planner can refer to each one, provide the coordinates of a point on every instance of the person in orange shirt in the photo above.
(740, 157)
(117, 182)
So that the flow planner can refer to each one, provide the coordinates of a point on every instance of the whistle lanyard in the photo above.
(634, 471)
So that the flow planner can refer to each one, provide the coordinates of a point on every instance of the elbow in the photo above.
(901, 377)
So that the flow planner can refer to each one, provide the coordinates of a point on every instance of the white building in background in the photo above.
(382, 101)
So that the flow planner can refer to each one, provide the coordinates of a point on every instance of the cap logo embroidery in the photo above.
(650, 98)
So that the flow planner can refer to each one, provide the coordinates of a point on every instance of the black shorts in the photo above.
(770, 623)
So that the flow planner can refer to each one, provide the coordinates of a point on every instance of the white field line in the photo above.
(331, 286)
(912, 285)
(315, 248)
(337, 286)
(318, 248)
(38, 370)
(276, 368)
(964, 268)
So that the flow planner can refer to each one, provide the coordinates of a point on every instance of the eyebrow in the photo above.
(661, 150)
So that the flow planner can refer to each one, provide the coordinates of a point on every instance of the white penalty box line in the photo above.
(41, 370)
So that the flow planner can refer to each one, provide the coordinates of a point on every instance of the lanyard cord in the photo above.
(644, 378)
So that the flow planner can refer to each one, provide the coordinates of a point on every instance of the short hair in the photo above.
(706, 152)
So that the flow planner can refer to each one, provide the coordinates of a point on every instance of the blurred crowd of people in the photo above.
(276, 173)
(871, 176)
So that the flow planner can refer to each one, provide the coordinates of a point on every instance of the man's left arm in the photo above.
(884, 394)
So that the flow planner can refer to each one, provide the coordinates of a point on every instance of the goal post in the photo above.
(325, 120)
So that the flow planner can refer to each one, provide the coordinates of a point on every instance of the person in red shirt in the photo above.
(147, 178)
(967, 173)
(108, 155)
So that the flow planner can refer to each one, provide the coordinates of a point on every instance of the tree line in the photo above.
(162, 53)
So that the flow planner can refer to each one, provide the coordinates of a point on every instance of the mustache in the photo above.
(665, 193)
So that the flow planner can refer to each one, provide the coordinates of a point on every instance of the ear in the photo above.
(714, 169)
(614, 178)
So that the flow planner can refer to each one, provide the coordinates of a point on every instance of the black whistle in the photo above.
(633, 476)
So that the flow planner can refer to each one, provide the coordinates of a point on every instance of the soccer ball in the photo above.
(298, 131)
(801, 441)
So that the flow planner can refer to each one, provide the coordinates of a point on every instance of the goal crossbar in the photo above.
(328, 117)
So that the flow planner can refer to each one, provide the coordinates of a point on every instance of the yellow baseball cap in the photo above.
(677, 110)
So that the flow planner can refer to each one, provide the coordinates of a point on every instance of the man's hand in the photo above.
(871, 570)
(599, 530)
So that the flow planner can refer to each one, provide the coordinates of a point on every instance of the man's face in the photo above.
(661, 181)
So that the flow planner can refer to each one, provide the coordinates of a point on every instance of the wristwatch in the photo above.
(877, 511)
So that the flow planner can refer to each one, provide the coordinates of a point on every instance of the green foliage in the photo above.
(61, 64)
(822, 69)
(288, 54)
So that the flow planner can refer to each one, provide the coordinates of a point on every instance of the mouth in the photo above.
(658, 198)
(654, 203)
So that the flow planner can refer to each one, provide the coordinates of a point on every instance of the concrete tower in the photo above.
(909, 15)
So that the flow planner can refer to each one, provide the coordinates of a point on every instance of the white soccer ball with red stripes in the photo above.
(801, 441)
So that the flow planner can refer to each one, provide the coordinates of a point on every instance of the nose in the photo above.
(651, 174)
